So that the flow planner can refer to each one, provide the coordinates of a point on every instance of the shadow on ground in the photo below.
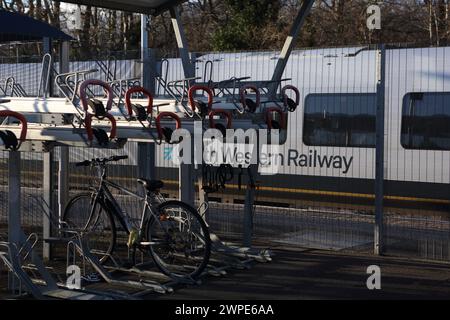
(314, 274)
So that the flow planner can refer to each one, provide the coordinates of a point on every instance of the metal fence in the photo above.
(323, 195)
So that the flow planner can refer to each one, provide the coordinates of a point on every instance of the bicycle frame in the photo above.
(105, 198)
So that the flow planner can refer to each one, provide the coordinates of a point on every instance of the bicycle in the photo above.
(173, 232)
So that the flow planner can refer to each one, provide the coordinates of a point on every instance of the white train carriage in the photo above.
(329, 154)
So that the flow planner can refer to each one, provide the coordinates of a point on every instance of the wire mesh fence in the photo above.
(416, 162)
(322, 195)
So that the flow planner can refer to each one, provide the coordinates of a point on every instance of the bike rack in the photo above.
(290, 104)
(208, 71)
(203, 108)
(224, 256)
(15, 89)
(100, 112)
(68, 83)
(35, 277)
(142, 113)
(145, 285)
(219, 126)
(8, 138)
(272, 124)
(60, 133)
(46, 72)
(165, 133)
(247, 103)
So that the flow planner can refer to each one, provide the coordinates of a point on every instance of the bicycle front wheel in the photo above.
(96, 223)
(179, 240)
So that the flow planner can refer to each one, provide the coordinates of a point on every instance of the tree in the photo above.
(245, 24)
(250, 24)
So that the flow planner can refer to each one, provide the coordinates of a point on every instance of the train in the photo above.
(328, 158)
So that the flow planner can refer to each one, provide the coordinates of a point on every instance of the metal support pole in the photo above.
(48, 198)
(63, 180)
(148, 56)
(146, 160)
(187, 180)
(186, 184)
(289, 44)
(379, 174)
(64, 58)
(188, 67)
(249, 206)
(14, 205)
(63, 161)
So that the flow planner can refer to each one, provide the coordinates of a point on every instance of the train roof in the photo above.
(319, 53)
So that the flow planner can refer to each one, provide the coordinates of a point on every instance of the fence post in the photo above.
(249, 205)
(148, 56)
(63, 161)
(48, 198)
(64, 58)
(14, 204)
(146, 160)
(186, 180)
(379, 171)
(63, 180)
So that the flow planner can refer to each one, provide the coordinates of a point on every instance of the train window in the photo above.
(340, 120)
(426, 121)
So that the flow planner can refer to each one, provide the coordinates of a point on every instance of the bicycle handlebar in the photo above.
(99, 161)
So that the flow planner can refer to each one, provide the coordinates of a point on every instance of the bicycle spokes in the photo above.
(178, 244)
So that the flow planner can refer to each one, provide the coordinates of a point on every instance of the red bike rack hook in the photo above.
(94, 82)
(90, 131)
(269, 118)
(222, 112)
(162, 131)
(290, 104)
(193, 90)
(88, 117)
(22, 120)
(142, 90)
(245, 101)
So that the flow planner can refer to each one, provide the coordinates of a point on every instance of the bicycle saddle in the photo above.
(151, 185)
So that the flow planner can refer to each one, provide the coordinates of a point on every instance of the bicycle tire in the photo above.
(72, 217)
(204, 236)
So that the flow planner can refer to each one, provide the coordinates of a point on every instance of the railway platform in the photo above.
(305, 274)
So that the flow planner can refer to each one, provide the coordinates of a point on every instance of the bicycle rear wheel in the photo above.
(180, 242)
(99, 230)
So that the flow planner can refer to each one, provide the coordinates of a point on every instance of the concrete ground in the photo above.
(312, 274)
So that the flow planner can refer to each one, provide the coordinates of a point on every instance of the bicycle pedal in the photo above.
(146, 243)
